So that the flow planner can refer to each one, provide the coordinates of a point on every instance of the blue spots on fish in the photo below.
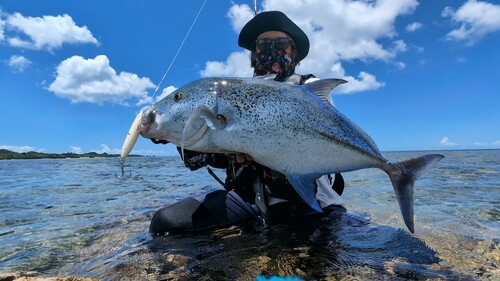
(305, 185)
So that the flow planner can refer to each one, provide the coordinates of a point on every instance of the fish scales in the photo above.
(300, 116)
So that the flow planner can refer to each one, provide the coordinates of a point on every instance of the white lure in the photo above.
(132, 135)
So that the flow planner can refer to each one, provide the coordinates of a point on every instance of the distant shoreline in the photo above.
(9, 155)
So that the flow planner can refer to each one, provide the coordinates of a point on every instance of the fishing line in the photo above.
(179, 49)
(122, 160)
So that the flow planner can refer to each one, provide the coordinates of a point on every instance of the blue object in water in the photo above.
(277, 278)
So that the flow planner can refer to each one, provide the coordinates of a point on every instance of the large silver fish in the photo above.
(289, 128)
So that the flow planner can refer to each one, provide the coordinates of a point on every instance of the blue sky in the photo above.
(73, 74)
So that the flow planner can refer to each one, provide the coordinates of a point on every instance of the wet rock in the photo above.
(177, 260)
(467, 256)
(227, 233)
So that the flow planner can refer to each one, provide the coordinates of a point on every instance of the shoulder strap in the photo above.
(297, 79)
(304, 78)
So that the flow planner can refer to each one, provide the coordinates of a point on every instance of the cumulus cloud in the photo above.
(76, 149)
(445, 141)
(18, 63)
(2, 26)
(239, 16)
(339, 30)
(476, 20)
(237, 64)
(46, 32)
(95, 81)
(364, 82)
(413, 27)
(105, 149)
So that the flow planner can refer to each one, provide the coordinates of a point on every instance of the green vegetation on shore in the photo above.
(7, 154)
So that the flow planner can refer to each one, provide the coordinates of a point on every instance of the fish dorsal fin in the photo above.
(323, 87)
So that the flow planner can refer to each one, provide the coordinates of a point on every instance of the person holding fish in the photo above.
(253, 191)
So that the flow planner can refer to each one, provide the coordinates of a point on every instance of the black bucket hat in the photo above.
(273, 21)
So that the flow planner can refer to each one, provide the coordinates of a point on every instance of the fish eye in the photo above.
(179, 96)
(221, 118)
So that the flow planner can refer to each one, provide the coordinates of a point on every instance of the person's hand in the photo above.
(242, 158)
(195, 160)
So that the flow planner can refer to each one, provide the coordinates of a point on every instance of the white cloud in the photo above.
(106, 149)
(95, 81)
(21, 148)
(47, 32)
(343, 29)
(400, 65)
(414, 26)
(364, 82)
(476, 20)
(76, 149)
(445, 141)
(2, 26)
(237, 64)
(399, 46)
(18, 63)
(239, 16)
(339, 30)
(496, 143)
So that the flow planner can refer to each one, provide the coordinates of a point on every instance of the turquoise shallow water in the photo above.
(74, 217)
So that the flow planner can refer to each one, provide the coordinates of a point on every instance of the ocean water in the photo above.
(61, 217)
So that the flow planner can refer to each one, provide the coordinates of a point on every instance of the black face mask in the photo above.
(274, 62)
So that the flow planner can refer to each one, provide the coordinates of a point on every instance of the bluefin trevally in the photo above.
(288, 128)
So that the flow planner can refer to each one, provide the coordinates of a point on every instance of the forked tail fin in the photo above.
(403, 176)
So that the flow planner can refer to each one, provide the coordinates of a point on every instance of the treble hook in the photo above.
(122, 169)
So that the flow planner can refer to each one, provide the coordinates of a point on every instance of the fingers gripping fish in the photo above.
(288, 128)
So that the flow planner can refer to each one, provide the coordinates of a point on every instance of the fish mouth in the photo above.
(149, 126)
(153, 128)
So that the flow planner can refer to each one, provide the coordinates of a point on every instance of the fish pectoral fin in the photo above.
(204, 113)
(305, 185)
(197, 124)
(214, 122)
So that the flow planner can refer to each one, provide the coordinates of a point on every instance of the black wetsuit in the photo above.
(235, 204)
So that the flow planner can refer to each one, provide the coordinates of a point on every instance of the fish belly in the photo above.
(319, 157)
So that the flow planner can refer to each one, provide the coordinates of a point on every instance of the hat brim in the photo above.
(273, 21)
